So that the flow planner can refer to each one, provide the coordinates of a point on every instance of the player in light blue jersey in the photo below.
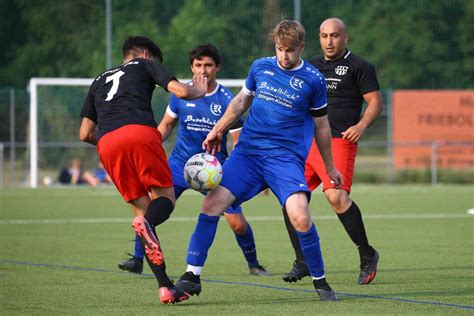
(284, 93)
(195, 120)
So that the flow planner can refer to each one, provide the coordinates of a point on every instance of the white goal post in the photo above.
(78, 82)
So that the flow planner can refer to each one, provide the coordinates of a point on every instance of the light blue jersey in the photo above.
(196, 118)
(280, 114)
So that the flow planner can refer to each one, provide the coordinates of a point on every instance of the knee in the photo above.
(159, 210)
(237, 223)
(301, 223)
(339, 200)
(213, 205)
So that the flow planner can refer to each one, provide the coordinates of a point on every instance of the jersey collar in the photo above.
(292, 69)
(214, 91)
(346, 54)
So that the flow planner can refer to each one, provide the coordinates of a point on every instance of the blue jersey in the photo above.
(196, 118)
(280, 114)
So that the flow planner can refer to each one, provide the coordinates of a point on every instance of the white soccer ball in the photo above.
(203, 172)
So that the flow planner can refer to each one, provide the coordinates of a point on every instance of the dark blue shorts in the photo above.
(245, 175)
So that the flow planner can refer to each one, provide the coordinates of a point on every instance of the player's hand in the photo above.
(200, 83)
(212, 142)
(336, 177)
(354, 133)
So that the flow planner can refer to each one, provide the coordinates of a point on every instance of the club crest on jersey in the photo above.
(296, 83)
(341, 70)
(216, 109)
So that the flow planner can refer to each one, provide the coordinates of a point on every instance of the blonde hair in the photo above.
(288, 33)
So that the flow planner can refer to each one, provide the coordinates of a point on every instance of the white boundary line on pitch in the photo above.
(193, 219)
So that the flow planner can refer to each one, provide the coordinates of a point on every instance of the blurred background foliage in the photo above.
(413, 44)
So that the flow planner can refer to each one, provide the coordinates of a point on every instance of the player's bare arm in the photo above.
(237, 107)
(87, 131)
(373, 110)
(166, 126)
(322, 136)
(189, 92)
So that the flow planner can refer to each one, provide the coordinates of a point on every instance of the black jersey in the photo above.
(122, 95)
(347, 80)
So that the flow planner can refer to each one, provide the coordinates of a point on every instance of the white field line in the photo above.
(250, 218)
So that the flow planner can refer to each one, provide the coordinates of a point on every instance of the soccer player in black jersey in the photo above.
(118, 118)
(194, 120)
(349, 81)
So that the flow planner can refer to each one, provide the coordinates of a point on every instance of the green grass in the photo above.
(423, 234)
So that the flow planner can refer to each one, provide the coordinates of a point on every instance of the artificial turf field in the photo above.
(59, 249)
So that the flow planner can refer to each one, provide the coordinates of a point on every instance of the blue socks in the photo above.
(138, 252)
(309, 242)
(201, 239)
(247, 244)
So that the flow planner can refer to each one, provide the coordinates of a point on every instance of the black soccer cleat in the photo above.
(368, 268)
(324, 291)
(299, 271)
(189, 283)
(132, 265)
(257, 269)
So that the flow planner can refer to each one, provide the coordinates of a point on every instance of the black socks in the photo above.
(293, 237)
(354, 226)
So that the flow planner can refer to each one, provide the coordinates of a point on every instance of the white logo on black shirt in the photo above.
(341, 70)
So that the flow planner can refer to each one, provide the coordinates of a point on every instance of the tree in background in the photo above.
(417, 45)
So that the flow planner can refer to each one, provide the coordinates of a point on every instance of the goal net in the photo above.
(55, 106)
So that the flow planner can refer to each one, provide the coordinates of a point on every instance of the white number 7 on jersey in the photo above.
(115, 78)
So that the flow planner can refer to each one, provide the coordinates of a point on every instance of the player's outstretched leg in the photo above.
(312, 251)
(199, 244)
(148, 240)
(168, 293)
(299, 269)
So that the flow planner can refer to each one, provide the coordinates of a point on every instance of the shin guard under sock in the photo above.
(247, 245)
(312, 252)
(201, 239)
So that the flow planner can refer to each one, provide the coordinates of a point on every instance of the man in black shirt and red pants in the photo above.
(118, 118)
(349, 81)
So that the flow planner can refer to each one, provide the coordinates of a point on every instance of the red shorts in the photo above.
(343, 154)
(135, 160)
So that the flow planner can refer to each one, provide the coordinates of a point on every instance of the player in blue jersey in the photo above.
(286, 96)
(195, 120)
(351, 80)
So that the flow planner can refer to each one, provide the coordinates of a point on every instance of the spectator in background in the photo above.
(101, 175)
(75, 175)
